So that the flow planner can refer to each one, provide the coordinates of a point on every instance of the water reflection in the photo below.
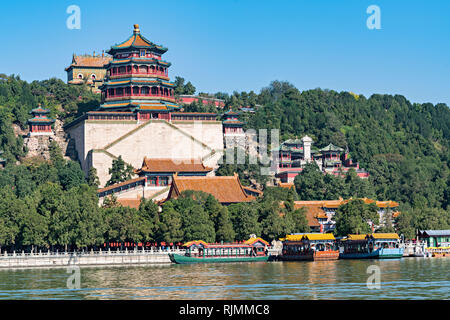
(411, 278)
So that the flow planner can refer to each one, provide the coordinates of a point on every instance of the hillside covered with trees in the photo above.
(404, 146)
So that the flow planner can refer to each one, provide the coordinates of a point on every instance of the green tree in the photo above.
(120, 171)
(224, 226)
(298, 221)
(273, 226)
(189, 88)
(171, 224)
(71, 175)
(310, 183)
(150, 220)
(12, 210)
(244, 217)
(354, 217)
(197, 225)
(92, 178)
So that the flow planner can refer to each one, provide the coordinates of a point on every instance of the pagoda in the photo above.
(40, 124)
(137, 80)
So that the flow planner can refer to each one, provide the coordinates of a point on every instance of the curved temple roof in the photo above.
(137, 41)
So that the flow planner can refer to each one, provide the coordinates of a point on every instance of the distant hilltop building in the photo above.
(233, 132)
(40, 124)
(139, 117)
(188, 99)
(218, 103)
(293, 154)
(89, 69)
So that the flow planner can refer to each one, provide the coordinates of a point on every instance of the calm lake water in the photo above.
(408, 278)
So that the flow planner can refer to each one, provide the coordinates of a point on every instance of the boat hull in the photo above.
(326, 255)
(316, 256)
(386, 253)
(180, 259)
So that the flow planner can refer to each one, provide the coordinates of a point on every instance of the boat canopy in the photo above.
(310, 236)
(356, 237)
(383, 236)
(196, 243)
(252, 242)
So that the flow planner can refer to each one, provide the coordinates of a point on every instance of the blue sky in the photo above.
(243, 45)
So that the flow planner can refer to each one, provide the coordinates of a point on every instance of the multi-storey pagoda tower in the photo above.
(137, 80)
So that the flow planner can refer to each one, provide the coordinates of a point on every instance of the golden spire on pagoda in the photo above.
(136, 29)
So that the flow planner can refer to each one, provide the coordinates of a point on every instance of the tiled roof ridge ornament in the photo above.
(136, 29)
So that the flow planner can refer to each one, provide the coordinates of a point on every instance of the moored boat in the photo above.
(371, 246)
(309, 247)
(252, 250)
(439, 252)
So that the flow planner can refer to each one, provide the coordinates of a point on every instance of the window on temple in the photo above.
(164, 181)
(143, 52)
(93, 76)
(144, 90)
(80, 76)
(143, 69)
(152, 181)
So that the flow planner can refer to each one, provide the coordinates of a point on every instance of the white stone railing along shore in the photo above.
(101, 257)
(92, 258)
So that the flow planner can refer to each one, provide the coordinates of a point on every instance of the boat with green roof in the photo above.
(252, 250)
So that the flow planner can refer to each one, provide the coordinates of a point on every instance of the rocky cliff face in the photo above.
(38, 146)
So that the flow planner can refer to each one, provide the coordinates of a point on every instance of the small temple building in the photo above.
(89, 69)
(159, 172)
(165, 179)
(293, 154)
(226, 189)
(233, 131)
(40, 124)
(154, 178)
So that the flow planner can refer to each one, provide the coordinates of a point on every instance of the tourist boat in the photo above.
(252, 250)
(371, 246)
(439, 252)
(309, 247)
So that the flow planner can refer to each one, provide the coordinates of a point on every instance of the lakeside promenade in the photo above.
(86, 258)
(91, 258)
(46, 259)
